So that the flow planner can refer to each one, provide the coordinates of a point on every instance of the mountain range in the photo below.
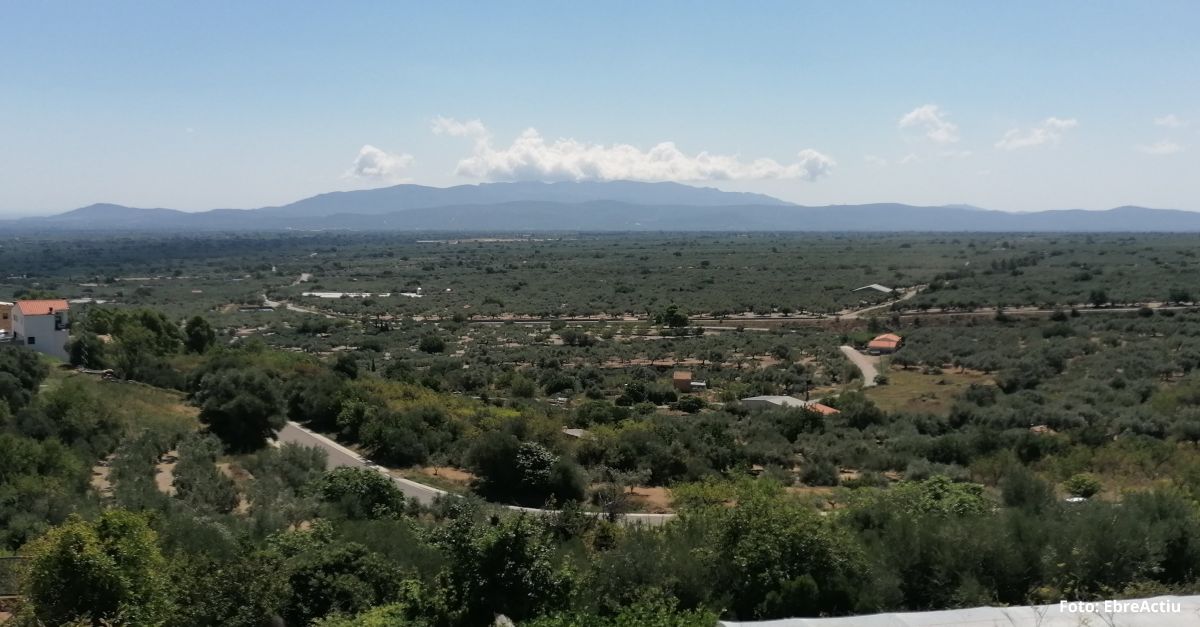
(595, 206)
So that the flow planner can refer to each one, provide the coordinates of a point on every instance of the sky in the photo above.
(1017, 106)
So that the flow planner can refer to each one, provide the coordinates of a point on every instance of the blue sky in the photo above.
(1017, 106)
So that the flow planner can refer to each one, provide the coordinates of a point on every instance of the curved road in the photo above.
(865, 363)
(339, 455)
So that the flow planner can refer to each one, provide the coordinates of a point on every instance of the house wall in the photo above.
(48, 340)
(6, 317)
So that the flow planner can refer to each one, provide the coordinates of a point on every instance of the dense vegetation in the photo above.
(1004, 458)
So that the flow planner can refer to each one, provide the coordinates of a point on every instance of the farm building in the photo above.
(682, 381)
(42, 325)
(874, 287)
(886, 343)
(771, 402)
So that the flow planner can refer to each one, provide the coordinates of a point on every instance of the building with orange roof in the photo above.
(682, 380)
(886, 343)
(43, 326)
(823, 409)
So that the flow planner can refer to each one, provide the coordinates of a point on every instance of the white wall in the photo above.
(47, 340)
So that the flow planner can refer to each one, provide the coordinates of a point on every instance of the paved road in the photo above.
(339, 455)
(865, 363)
(905, 295)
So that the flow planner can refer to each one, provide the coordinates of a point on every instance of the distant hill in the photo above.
(405, 197)
(607, 206)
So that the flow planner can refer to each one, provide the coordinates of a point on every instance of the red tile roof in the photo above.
(887, 341)
(823, 409)
(41, 307)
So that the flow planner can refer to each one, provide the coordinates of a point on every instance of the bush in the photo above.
(431, 344)
(1082, 485)
(359, 493)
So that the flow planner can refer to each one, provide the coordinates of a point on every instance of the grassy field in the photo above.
(913, 392)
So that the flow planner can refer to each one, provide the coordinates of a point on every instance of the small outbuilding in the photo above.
(823, 409)
(682, 380)
(771, 402)
(874, 287)
(886, 343)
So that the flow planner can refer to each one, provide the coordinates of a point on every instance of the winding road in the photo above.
(339, 456)
(866, 364)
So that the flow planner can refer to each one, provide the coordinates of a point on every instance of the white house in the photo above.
(42, 325)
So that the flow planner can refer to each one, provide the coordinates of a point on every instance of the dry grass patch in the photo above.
(911, 391)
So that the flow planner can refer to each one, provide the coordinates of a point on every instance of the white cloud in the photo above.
(1170, 120)
(1049, 131)
(1161, 147)
(374, 163)
(455, 128)
(931, 119)
(532, 157)
(909, 158)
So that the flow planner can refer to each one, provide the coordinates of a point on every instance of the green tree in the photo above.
(504, 568)
(671, 317)
(339, 577)
(87, 350)
(359, 493)
(431, 344)
(241, 407)
(199, 335)
(1082, 485)
(197, 480)
(108, 570)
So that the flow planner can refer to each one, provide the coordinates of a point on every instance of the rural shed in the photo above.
(682, 380)
(875, 287)
(771, 402)
(823, 409)
(1164, 611)
(886, 343)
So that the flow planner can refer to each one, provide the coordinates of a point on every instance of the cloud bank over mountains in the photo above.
(531, 156)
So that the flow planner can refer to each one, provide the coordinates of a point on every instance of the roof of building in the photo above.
(682, 374)
(885, 341)
(41, 307)
(576, 433)
(782, 401)
(823, 409)
(875, 286)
